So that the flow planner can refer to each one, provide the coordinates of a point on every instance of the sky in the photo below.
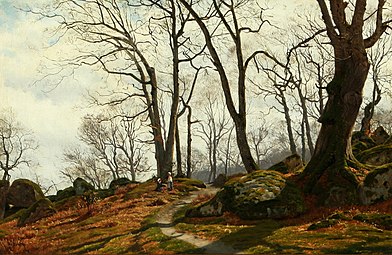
(52, 113)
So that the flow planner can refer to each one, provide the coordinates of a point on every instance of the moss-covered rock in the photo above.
(377, 156)
(82, 186)
(104, 193)
(4, 186)
(290, 164)
(23, 193)
(258, 195)
(190, 182)
(120, 182)
(40, 209)
(377, 185)
(65, 193)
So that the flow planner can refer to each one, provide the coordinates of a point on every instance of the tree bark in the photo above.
(326, 173)
(178, 153)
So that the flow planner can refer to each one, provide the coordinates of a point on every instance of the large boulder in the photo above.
(80, 185)
(377, 185)
(376, 156)
(41, 209)
(290, 164)
(4, 186)
(24, 193)
(258, 195)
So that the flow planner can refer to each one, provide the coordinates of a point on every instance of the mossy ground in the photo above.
(125, 224)
(119, 224)
(351, 230)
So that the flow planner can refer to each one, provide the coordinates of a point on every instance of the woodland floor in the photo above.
(142, 221)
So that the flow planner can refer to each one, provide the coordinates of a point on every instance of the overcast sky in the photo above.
(52, 114)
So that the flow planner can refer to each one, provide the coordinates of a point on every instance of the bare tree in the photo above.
(86, 165)
(213, 129)
(15, 144)
(345, 22)
(120, 37)
(258, 141)
(116, 142)
(379, 57)
(235, 18)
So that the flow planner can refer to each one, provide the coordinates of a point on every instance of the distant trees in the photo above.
(115, 148)
(215, 126)
(15, 144)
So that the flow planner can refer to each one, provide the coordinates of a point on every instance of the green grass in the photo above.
(169, 244)
(345, 236)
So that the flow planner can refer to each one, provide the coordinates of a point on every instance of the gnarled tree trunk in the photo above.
(327, 175)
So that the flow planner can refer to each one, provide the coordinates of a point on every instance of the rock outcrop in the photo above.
(80, 185)
(119, 182)
(258, 195)
(41, 209)
(290, 164)
(377, 185)
(24, 193)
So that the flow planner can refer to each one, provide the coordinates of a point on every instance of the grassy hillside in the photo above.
(125, 223)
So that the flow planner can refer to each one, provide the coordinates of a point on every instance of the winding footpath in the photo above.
(166, 225)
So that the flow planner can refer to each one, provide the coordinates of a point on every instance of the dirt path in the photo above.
(167, 227)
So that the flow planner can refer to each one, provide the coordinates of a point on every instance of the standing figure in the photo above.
(169, 181)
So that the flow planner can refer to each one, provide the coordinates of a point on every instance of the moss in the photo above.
(369, 155)
(169, 244)
(142, 188)
(190, 182)
(383, 221)
(261, 194)
(3, 233)
(65, 193)
(323, 224)
(370, 177)
(120, 182)
(15, 215)
(104, 193)
(41, 204)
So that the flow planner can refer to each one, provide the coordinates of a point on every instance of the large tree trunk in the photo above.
(155, 120)
(178, 153)
(243, 146)
(327, 174)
